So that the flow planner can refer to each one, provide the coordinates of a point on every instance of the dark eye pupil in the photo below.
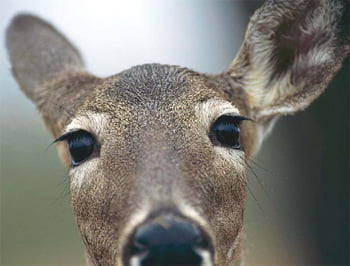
(226, 131)
(81, 146)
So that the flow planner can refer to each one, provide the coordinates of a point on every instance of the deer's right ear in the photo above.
(48, 68)
(38, 53)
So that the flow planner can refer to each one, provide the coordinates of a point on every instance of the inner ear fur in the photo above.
(292, 50)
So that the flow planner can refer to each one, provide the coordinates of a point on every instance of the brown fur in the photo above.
(153, 154)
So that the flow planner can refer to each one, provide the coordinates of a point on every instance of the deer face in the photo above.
(163, 152)
(157, 154)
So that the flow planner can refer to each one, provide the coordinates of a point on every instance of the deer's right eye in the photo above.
(81, 145)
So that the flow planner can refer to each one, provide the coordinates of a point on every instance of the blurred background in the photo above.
(298, 206)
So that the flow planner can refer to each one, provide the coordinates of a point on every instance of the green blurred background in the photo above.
(301, 212)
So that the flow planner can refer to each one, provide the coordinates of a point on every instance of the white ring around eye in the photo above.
(207, 112)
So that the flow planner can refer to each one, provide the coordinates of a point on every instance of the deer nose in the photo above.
(169, 241)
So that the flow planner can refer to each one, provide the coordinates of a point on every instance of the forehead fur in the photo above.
(150, 86)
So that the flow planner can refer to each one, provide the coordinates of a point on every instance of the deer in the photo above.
(157, 154)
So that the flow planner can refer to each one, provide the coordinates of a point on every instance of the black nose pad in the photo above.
(168, 241)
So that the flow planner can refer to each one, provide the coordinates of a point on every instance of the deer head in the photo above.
(157, 153)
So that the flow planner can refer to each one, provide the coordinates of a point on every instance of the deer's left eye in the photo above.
(225, 131)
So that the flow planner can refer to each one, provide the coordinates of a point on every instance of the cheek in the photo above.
(89, 200)
(229, 181)
(99, 193)
(227, 199)
(82, 176)
(92, 193)
(228, 213)
(218, 175)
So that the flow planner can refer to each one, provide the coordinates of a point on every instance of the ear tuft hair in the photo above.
(291, 51)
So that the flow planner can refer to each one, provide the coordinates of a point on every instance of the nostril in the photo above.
(168, 241)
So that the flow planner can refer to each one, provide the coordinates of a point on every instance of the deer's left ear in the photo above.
(292, 50)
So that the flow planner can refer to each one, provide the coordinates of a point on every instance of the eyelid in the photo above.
(237, 117)
(67, 135)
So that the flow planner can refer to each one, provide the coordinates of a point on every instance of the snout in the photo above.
(168, 240)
